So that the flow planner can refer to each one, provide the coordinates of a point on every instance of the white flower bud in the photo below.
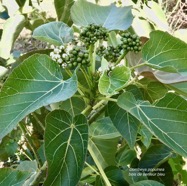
(64, 65)
(56, 50)
(59, 60)
(57, 56)
(52, 54)
(52, 47)
(61, 47)
(64, 55)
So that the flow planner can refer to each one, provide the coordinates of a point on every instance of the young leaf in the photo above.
(165, 52)
(65, 147)
(63, 10)
(110, 17)
(124, 122)
(154, 156)
(11, 30)
(56, 33)
(37, 82)
(110, 83)
(9, 177)
(168, 124)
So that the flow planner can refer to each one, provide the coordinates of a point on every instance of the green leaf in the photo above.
(66, 141)
(103, 129)
(125, 156)
(115, 176)
(146, 136)
(169, 125)
(180, 87)
(133, 175)
(156, 90)
(10, 177)
(11, 30)
(111, 17)
(147, 183)
(154, 156)
(163, 174)
(39, 82)
(8, 147)
(63, 10)
(56, 33)
(30, 166)
(126, 124)
(177, 102)
(111, 82)
(165, 52)
(103, 141)
(74, 105)
(88, 175)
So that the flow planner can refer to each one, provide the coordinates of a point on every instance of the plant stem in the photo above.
(92, 168)
(39, 122)
(96, 114)
(86, 110)
(39, 175)
(139, 65)
(99, 104)
(107, 182)
(107, 99)
(30, 143)
(120, 58)
(86, 77)
(92, 60)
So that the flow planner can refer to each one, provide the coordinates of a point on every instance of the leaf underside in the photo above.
(111, 17)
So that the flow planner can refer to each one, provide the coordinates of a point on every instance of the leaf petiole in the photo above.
(107, 182)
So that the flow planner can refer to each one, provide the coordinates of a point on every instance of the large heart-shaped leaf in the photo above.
(110, 17)
(165, 52)
(63, 10)
(110, 83)
(56, 33)
(10, 177)
(65, 147)
(167, 122)
(37, 82)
